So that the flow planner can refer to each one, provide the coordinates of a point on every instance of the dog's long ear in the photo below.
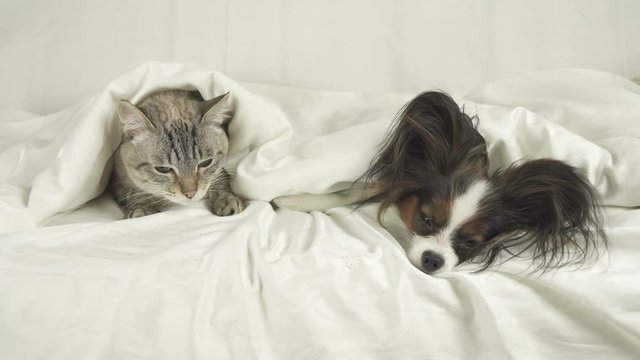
(551, 209)
(430, 135)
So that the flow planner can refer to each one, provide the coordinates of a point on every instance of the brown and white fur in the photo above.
(432, 172)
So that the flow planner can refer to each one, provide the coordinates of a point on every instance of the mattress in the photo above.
(77, 281)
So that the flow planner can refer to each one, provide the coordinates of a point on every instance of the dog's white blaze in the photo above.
(462, 208)
(466, 205)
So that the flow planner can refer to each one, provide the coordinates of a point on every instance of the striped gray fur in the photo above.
(173, 146)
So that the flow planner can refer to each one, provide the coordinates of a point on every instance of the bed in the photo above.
(77, 281)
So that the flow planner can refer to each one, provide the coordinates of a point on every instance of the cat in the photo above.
(173, 146)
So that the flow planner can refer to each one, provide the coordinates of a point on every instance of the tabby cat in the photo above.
(173, 146)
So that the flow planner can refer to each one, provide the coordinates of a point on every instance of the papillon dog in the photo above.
(432, 170)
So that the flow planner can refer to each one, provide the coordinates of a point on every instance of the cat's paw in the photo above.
(225, 204)
(138, 212)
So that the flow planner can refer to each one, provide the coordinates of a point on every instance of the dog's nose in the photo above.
(189, 194)
(431, 261)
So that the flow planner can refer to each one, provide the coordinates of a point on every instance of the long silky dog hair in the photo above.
(433, 168)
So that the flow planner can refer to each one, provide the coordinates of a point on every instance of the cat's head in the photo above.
(174, 143)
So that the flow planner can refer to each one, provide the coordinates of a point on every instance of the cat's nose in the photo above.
(189, 194)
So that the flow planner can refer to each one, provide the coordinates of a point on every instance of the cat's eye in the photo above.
(206, 163)
(163, 169)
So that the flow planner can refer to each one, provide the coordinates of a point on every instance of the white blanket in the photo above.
(265, 284)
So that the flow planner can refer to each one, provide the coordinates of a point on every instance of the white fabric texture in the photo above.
(265, 284)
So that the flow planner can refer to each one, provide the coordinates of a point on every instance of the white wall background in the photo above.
(53, 53)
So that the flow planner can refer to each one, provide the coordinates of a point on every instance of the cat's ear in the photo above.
(217, 111)
(134, 122)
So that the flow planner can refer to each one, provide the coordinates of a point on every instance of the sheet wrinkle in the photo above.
(483, 319)
(578, 308)
(282, 284)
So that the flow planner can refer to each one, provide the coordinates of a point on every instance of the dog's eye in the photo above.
(469, 244)
(426, 220)
(205, 163)
(162, 169)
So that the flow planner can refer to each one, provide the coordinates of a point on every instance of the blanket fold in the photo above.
(287, 140)
(265, 284)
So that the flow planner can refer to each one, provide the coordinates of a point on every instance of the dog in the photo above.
(432, 170)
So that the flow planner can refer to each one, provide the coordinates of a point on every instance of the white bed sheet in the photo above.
(265, 284)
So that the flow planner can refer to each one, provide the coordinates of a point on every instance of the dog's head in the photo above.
(433, 168)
